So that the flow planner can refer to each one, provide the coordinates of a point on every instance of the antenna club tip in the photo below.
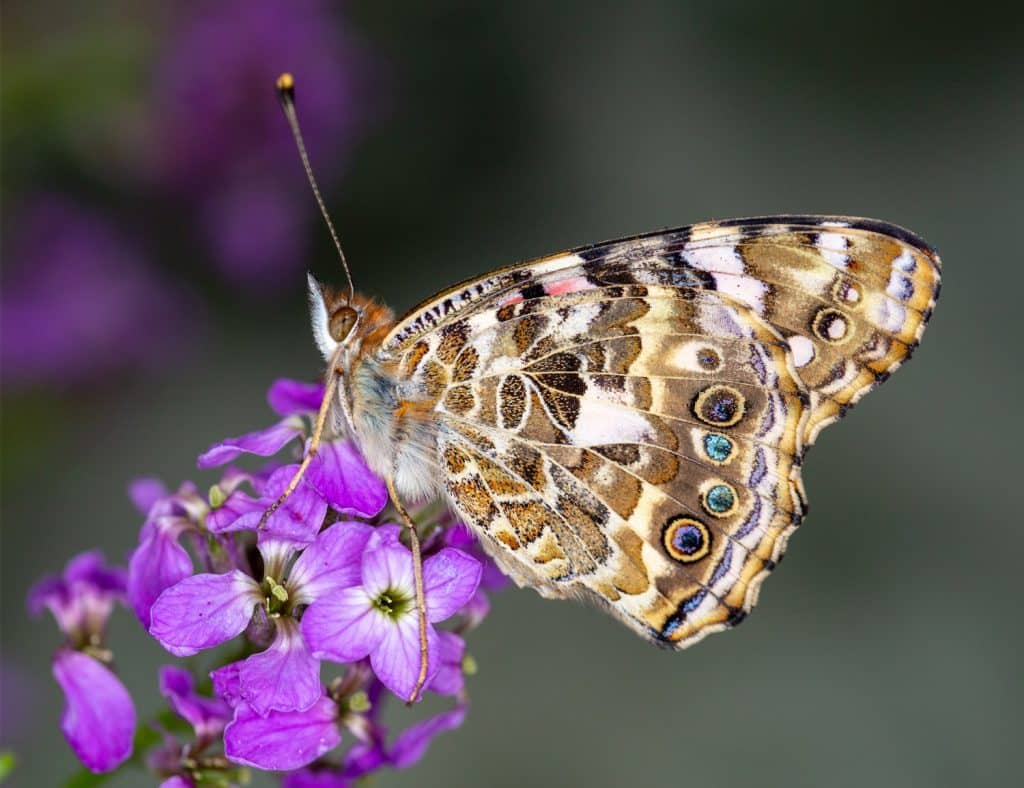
(285, 84)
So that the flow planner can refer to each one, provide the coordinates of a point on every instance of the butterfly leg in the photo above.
(421, 602)
(314, 443)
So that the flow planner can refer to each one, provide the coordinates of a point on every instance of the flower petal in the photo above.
(227, 684)
(49, 592)
(145, 492)
(158, 563)
(449, 679)
(332, 562)
(288, 397)
(224, 518)
(450, 579)
(284, 677)
(202, 611)
(90, 569)
(343, 626)
(317, 777)
(99, 716)
(412, 743)
(365, 757)
(298, 519)
(206, 715)
(340, 474)
(460, 535)
(389, 566)
(385, 534)
(265, 443)
(396, 661)
(283, 739)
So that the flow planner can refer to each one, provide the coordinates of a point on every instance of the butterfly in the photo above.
(625, 423)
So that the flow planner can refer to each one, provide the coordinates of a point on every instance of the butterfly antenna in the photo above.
(286, 93)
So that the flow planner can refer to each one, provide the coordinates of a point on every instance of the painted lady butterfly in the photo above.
(625, 423)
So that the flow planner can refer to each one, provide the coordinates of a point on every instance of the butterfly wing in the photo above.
(624, 423)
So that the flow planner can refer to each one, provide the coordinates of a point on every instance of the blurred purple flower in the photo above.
(99, 716)
(378, 618)
(79, 301)
(81, 598)
(222, 141)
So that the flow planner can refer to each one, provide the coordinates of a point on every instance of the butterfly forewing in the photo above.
(624, 423)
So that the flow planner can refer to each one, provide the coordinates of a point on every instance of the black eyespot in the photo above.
(720, 405)
(708, 359)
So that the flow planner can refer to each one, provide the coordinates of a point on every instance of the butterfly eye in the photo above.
(342, 321)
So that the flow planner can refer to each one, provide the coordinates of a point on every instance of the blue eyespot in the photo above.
(720, 499)
(717, 447)
(688, 539)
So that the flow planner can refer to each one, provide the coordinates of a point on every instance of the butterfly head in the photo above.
(353, 322)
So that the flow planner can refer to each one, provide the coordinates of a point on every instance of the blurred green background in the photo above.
(887, 649)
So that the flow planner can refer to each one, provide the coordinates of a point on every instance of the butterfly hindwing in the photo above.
(625, 423)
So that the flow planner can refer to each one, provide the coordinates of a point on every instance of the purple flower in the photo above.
(276, 740)
(449, 679)
(82, 598)
(205, 610)
(379, 618)
(145, 492)
(282, 740)
(265, 443)
(223, 143)
(79, 301)
(160, 560)
(366, 757)
(287, 396)
(99, 717)
(298, 519)
(492, 579)
(338, 473)
(207, 716)
(412, 743)
(324, 777)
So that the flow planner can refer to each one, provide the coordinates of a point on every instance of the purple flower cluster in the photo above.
(220, 141)
(79, 299)
(326, 584)
(99, 716)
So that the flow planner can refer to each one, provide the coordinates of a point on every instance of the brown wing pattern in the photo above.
(636, 446)
(625, 423)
